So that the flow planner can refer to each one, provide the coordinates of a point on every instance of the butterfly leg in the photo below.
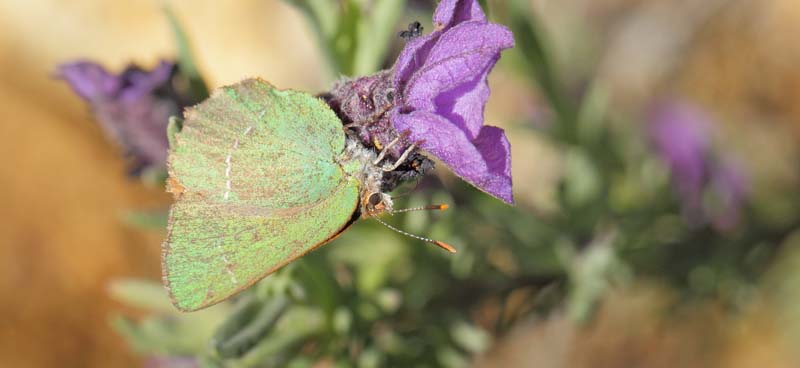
(402, 158)
(383, 151)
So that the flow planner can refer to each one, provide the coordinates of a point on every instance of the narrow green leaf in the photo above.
(376, 30)
(128, 329)
(197, 87)
(144, 294)
(243, 312)
(322, 14)
(296, 325)
(251, 332)
(530, 42)
(590, 276)
(324, 18)
(345, 41)
(472, 338)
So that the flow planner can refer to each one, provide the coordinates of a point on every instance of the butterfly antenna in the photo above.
(432, 207)
(440, 244)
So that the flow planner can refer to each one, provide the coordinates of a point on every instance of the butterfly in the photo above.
(261, 176)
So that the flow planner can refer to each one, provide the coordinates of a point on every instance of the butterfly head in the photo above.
(375, 204)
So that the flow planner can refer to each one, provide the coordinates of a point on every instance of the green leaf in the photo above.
(582, 180)
(377, 28)
(247, 325)
(144, 294)
(198, 90)
(355, 35)
(173, 334)
(451, 358)
(472, 338)
(590, 275)
(296, 325)
(372, 264)
(324, 18)
(530, 42)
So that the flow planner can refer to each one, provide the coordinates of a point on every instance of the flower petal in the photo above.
(456, 68)
(484, 162)
(449, 14)
(140, 82)
(412, 57)
(452, 12)
(133, 107)
(89, 80)
(464, 105)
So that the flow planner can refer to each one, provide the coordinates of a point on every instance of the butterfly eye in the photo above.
(375, 199)
(390, 96)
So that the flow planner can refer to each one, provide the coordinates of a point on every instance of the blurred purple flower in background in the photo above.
(132, 108)
(730, 191)
(680, 134)
(441, 86)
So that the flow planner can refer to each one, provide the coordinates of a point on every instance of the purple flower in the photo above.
(441, 90)
(132, 108)
(680, 135)
(434, 98)
(730, 191)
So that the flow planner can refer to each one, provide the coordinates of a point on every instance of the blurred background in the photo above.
(655, 165)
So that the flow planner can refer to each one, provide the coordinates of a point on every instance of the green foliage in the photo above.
(353, 34)
(196, 86)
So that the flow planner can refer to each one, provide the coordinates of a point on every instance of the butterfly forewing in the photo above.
(257, 184)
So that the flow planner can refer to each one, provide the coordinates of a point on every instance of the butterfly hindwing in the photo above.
(257, 182)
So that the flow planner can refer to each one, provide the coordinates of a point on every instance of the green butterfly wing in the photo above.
(256, 175)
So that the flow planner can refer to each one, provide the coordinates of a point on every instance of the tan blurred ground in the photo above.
(62, 187)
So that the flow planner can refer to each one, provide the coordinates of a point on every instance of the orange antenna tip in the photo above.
(437, 207)
(440, 207)
(438, 243)
(445, 246)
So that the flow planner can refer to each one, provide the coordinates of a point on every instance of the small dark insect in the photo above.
(414, 30)
(414, 168)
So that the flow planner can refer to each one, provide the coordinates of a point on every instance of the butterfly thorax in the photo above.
(358, 162)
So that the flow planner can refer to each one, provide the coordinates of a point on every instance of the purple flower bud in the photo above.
(710, 189)
(730, 190)
(363, 103)
(133, 107)
(680, 135)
